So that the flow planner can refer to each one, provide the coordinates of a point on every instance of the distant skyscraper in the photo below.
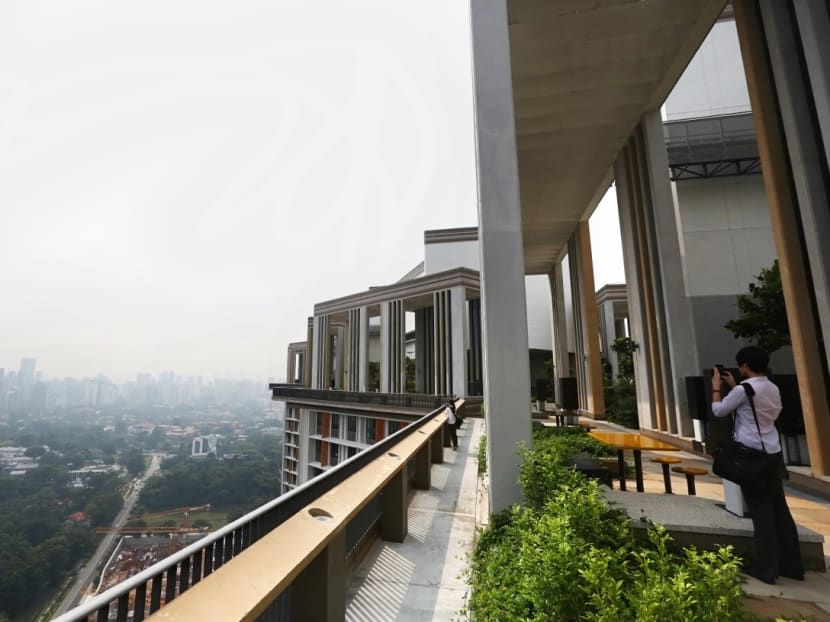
(25, 379)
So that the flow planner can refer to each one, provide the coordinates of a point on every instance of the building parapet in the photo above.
(463, 277)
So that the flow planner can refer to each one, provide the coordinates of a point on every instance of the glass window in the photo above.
(370, 430)
(351, 428)
(334, 454)
(352, 451)
(318, 451)
(335, 426)
(320, 424)
(394, 426)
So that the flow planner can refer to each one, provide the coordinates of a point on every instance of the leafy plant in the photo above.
(625, 347)
(621, 394)
(481, 455)
(568, 556)
(763, 314)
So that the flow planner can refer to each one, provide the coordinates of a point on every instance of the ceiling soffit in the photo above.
(584, 73)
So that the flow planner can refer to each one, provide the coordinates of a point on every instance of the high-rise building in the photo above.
(421, 335)
(25, 380)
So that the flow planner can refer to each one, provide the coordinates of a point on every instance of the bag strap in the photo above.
(750, 395)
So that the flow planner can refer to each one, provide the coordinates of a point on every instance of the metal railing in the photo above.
(151, 589)
(399, 400)
(710, 139)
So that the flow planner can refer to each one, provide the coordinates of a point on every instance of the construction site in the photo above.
(144, 542)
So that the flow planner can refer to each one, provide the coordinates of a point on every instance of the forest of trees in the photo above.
(40, 547)
(237, 486)
(37, 546)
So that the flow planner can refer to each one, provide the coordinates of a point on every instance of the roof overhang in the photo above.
(584, 73)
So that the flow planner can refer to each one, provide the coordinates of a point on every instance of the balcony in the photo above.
(354, 543)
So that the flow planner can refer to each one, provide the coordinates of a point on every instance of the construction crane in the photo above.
(183, 510)
(174, 531)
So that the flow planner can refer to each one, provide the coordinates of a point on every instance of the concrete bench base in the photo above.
(706, 524)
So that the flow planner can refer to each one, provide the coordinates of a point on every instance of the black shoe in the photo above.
(761, 576)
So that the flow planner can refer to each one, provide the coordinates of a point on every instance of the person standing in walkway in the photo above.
(452, 423)
(777, 551)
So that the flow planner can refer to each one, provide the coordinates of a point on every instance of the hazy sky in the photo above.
(180, 181)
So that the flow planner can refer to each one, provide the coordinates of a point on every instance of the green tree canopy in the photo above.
(763, 314)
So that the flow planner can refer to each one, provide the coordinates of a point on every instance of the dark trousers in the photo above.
(777, 550)
(453, 433)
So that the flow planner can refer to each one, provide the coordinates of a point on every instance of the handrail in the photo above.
(422, 401)
(230, 540)
(266, 575)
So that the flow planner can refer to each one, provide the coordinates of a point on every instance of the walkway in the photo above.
(422, 578)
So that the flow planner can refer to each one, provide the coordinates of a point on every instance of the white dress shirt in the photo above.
(767, 406)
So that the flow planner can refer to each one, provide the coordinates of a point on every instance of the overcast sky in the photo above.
(180, 181)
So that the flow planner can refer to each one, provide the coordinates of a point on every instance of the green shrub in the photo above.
(481, 455)
(543, 469)
(568, 556)
(621, 405)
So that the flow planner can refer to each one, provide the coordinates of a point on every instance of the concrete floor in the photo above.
(423, 578)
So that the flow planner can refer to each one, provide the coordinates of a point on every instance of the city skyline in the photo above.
(39, 374)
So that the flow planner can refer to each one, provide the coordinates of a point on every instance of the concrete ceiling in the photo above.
(584, 72)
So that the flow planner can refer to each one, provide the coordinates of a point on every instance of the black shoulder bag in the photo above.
(738, 463)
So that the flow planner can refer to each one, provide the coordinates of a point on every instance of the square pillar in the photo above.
(436, 442)
(385, 346)
(504, 307)
(363, 349)
(394, 520)
(423, 467)
(319, 591)
(458, 338)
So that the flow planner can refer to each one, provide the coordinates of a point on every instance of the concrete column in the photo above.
(778, 183)
(290, 372)
(634, 285)
(385, 354)
(608, 334)
(504, 308)
(423, 466)
(440, 342)
(650, 280)
(400, 351)
(436, 442)
(794, 92)
(814, 27)
(458, 336)
(319, 591)
(420, 351)
(476, 355)
(352, 358)
(317, 352)
(591, 359)
(363, 349)
(394, 518)
(338, 356)
(561, 367)
(392, 345)
(679, 333)
(309, 353)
